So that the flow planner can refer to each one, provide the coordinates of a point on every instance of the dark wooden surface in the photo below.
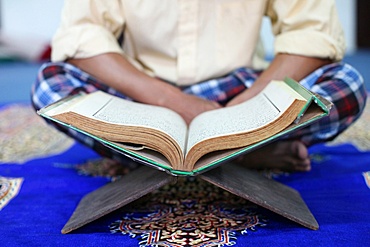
(262, 191)
(115, 195)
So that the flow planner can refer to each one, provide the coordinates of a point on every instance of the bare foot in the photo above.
(287, 156)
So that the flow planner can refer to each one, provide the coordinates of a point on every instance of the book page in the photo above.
(111, 109)
(250, 115)
(258, 112)
(285, 96)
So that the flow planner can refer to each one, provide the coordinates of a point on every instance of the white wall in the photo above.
(40, 18)
(347, 16)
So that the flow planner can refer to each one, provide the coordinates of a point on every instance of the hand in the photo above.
(190, 106)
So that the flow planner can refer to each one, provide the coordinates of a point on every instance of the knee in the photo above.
(344, 87)
(42, 89)
(352, 102)
(54, 81)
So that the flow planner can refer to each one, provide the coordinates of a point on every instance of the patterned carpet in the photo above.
(25, 136)
(192, 213)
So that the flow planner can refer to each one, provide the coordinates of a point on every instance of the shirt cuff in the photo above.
(83, 41)
(311, 44)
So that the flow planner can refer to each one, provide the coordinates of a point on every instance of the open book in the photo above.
(159, 137)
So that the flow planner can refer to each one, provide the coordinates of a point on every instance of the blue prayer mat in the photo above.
(189, 213)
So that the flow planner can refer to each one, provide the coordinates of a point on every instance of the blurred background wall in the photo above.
(39, 18)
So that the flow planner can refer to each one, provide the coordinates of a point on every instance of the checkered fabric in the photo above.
(338, 82)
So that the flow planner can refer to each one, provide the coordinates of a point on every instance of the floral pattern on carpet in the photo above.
(190, 213)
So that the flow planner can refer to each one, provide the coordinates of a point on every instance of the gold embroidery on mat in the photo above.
(9, 188)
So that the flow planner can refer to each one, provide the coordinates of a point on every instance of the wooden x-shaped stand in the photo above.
(233, 178)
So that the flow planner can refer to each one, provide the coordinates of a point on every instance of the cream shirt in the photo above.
(187, 41)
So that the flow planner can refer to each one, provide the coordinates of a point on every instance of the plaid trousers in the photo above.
(338, 82)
